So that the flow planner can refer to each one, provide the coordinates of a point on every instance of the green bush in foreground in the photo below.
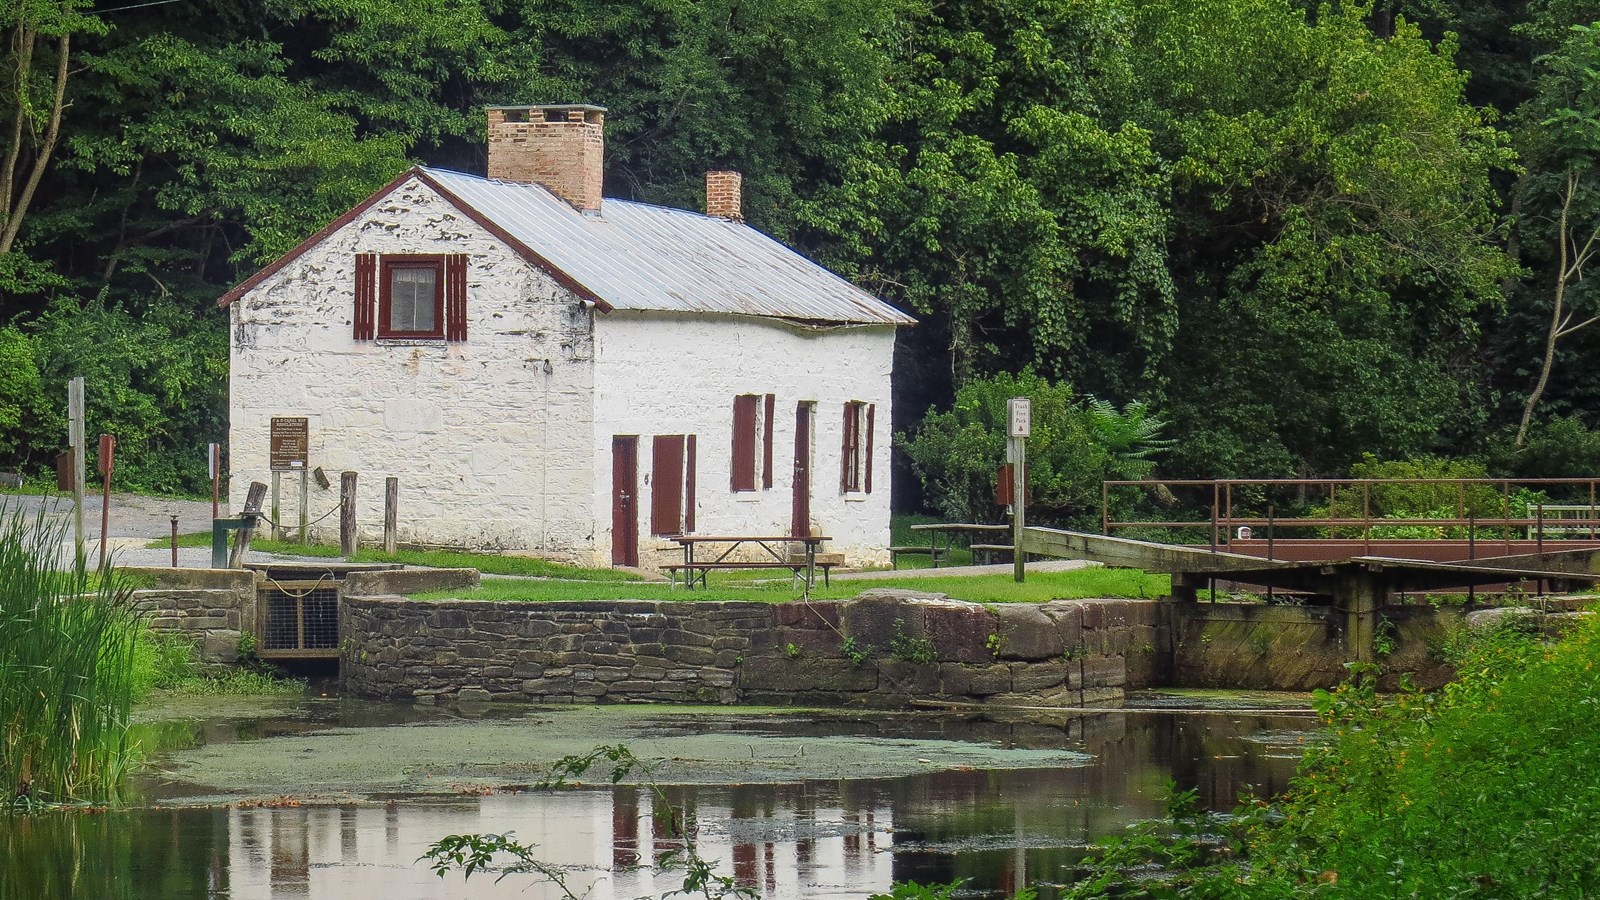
(1489, 788)
(66, 670)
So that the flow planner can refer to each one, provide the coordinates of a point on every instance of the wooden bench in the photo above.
(697, 571)
(990, 550)
(935, 554)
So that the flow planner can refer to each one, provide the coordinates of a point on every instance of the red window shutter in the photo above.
(743, 470)
(455, 297)
(366, 311)
(688, 485)
(766, 445)
(666, 484)
(846, 476)
(866, 463)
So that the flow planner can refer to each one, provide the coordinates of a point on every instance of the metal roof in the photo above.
(638, 256)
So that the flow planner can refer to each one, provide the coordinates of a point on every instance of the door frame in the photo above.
(804, 468)
(625, 500)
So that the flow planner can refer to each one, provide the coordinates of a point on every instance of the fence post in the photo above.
(252, 510)
(391, 514)
(347, 514)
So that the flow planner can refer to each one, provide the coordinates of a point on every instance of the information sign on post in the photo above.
(290, 444)
(1019, 417)
(1019, 425)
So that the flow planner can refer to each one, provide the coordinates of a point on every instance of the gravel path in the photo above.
(134, 521)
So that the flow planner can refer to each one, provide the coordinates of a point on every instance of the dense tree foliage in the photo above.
(1300, 232)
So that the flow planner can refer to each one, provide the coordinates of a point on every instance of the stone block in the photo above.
(1038, 677)
(874, 618)
(473, 694)
(908, 678)
(1103, 671)
(221, 646)
(961, 680)
(783, 674)
(959, 631)
(815, 615)
(1026, 633)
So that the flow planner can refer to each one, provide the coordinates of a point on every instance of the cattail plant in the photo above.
(67, 635)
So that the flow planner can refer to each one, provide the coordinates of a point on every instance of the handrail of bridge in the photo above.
(1223, 521)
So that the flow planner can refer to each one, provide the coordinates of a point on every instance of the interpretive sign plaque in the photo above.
(290, 443)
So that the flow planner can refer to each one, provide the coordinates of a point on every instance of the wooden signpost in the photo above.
(1019, 424)
(105, 461)
(75, 443)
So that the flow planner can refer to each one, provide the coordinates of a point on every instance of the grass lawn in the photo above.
(1091, 582)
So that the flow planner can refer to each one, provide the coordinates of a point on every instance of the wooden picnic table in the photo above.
(765, 542)
(948, 529)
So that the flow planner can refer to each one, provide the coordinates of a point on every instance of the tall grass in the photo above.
(66, 669)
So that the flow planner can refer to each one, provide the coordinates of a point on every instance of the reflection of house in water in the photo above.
(779, 842)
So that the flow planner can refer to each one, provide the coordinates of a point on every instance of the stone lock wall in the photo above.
(214, 607)
(884, 648)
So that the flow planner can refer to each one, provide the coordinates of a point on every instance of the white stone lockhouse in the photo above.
(546, 370)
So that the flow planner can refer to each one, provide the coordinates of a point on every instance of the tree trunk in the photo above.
(42, 160)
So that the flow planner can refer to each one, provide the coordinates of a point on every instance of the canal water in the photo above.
(248, 803)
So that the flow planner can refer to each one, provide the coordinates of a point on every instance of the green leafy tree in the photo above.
(1074, 446)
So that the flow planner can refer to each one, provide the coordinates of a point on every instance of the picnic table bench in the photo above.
(694, 570)
(949, 529)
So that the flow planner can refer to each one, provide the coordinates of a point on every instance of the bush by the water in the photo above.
(66, 669)
(1489, 788)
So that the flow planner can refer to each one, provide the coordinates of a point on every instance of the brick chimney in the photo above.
(559, 147)
(725, 195)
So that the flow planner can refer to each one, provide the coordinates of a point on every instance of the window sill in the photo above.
(746, 496)
(408, 341)
(856, 496)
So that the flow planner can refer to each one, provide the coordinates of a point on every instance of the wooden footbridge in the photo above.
(1360, 586)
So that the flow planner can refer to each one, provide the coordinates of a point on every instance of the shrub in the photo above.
(1075, 445)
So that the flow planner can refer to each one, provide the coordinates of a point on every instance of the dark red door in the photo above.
(800, 525)
(624, 500)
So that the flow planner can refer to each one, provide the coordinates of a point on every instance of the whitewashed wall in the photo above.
(665, 373)
(491, 439)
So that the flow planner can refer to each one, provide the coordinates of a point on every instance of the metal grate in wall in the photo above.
(299, 619)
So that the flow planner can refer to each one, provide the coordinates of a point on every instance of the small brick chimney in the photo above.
(725, 195)
(560, 147)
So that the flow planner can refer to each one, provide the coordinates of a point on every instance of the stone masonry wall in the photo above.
(1297, 648)
(214, 607)
(884, 648)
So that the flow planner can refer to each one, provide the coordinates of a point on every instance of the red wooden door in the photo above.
(624, 500)
(800, 524)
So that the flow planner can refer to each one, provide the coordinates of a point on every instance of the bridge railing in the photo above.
(1356, 509)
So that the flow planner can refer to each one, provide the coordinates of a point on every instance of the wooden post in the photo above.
(305, 502)
(1019, 481)
(272, 527)
(391, 514)
(214, 452)
(252, 511)
(75, 432)
(1019, 424)
(347, 514)
(105, 461)
(174, 542)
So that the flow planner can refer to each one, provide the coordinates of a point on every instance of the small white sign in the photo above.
(1019, 417)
